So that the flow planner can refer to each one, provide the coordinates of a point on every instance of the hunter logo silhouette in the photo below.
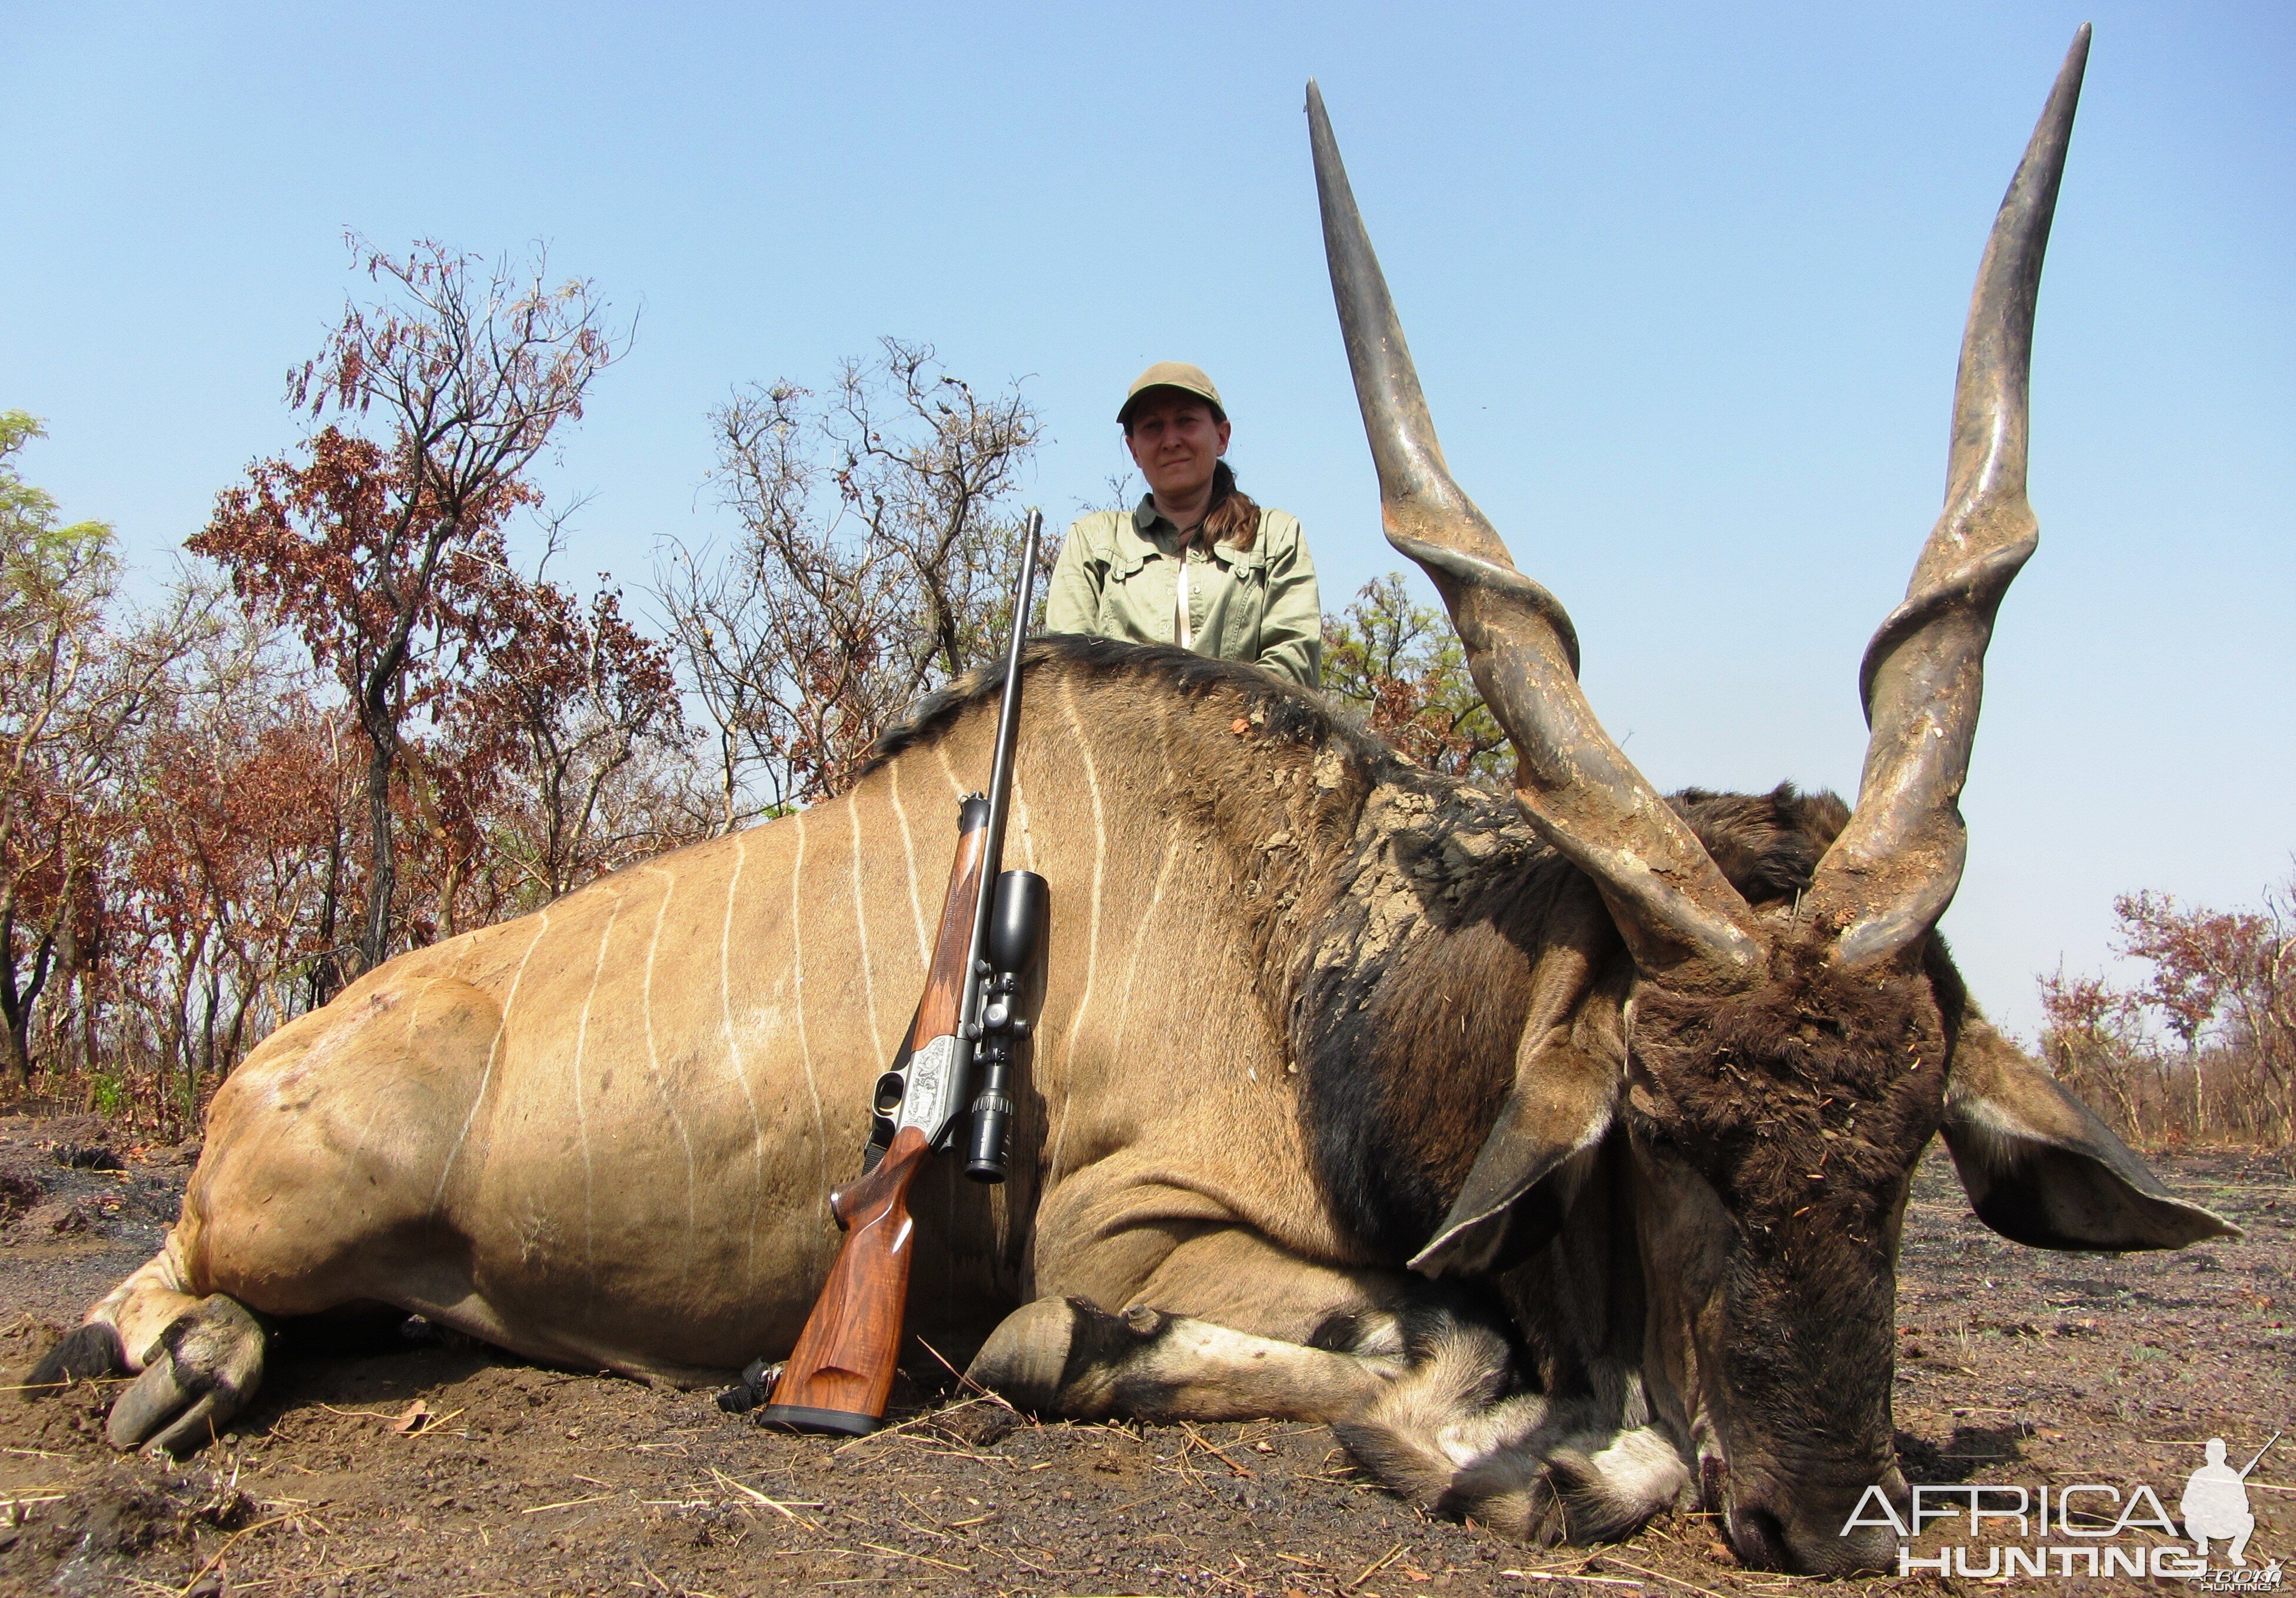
(2215, 1504)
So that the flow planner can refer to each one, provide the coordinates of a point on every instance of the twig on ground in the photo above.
(901, 1433)
(407, 1422)
(1606, 1581)
(963, 1380)
(9, 1505)
(1380, 1563)
(1212, 1448)
(859, 1581)
(1659, 1576)
(921, 1558)
(755, 1496)
(230, 1543)
(1181, 1465)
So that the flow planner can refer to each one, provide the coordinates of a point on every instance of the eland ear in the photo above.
(2040, 1168)
(1540, 1151)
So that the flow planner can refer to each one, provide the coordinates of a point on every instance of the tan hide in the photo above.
(604, 1132)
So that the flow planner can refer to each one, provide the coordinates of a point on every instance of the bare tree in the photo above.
(877, 546)
(231, 805)
(2094, 1038)
(2206, 1042)
(77, 677)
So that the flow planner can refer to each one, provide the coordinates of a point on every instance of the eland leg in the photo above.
(317, 1189)
(1529, 1465)
(1579, 1452)
(196, 1359)
(1231, 1326)
(1421, 1382)
(1068, 1357)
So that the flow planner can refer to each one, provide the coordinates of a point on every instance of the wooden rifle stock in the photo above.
(840, 1373)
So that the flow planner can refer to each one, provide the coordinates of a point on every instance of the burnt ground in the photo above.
(449, 1470)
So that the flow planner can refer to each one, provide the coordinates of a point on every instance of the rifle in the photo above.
(840, 1373)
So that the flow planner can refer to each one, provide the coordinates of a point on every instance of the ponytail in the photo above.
(1234, 516)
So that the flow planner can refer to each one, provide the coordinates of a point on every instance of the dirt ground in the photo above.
(449, 1470)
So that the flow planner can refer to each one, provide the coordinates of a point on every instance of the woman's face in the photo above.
(1175, 442)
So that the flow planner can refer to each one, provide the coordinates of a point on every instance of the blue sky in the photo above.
(1685, 288)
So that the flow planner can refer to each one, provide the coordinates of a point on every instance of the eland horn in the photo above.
(1892, 871)
(1680, 917)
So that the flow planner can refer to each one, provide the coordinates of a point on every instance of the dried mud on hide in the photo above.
(447, 1470)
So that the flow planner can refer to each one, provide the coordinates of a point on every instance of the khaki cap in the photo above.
(1173, 374)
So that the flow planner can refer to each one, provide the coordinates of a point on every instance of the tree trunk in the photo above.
(16, 1004)
(382, 876)
(88, 1001)
(327, 969)
(14, 1055)
(726, 769)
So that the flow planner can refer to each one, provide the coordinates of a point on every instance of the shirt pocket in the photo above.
(1128, 605)
(1244, 580)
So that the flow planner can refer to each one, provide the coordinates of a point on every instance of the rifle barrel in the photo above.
(1000, 775)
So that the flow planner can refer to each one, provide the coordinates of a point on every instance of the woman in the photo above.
(1196, 563)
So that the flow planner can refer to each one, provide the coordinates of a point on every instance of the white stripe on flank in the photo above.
(1140, 945)
(804, 1046)
(1156, 894)
(909, 853)
(733, 1046)
(1021, 814)
(861, 929)
(1092, 930)
(940, 753)
(653, 1054)
(581, 1114)
(494, 1049)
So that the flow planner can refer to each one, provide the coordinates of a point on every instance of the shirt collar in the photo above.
(1154, 527)
(1157, 531)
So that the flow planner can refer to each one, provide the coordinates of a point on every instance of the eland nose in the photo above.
(1759, 1538)
(1809, 1534)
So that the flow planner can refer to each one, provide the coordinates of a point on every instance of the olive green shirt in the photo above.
(1119, 576)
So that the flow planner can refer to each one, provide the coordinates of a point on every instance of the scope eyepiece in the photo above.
(1016, 920)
